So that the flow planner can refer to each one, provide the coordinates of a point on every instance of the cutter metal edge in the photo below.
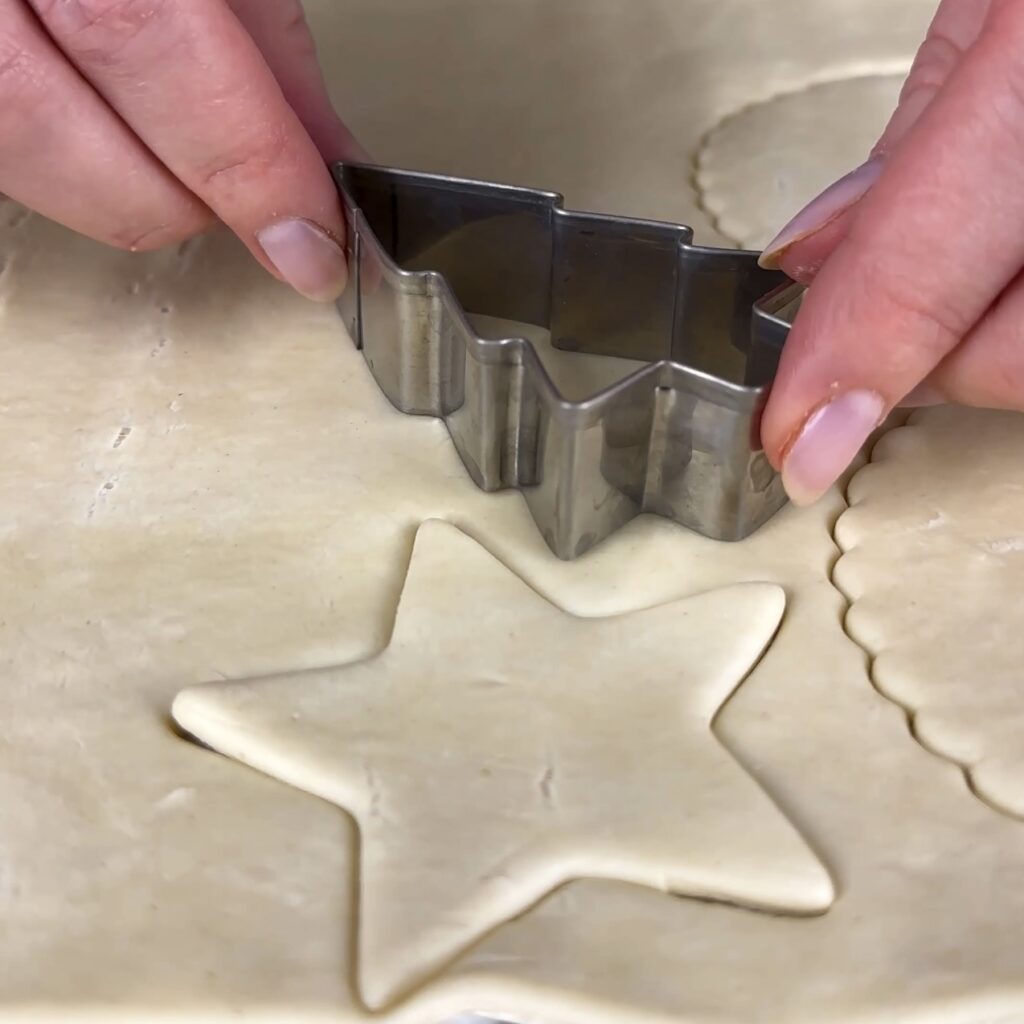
(678, 437)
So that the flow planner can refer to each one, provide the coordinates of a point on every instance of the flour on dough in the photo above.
(499, 747)
(943, 499)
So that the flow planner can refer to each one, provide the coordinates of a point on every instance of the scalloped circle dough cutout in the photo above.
(954, 523)
(778, 143)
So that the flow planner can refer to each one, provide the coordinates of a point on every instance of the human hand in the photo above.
(916, 257)
(139, 122)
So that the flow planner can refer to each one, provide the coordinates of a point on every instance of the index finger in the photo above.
(191, 83)
(932, 245)
(804, 244)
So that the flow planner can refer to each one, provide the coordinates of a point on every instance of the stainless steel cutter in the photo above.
(678, 437)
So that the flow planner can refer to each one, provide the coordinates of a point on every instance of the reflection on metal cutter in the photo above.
(678, 438)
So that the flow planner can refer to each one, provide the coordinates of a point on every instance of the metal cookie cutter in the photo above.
(678, 437)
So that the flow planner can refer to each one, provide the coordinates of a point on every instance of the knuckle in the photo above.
(1008, 379)
(937, 57)
(302, 45)
(17, 69)
(23, 90)
(1001, 43)
(249, 160)
(98, 30)
(1012, 111)
(919, 326)
(995, 352)
(283, 20)
(294, 19)
(295, 28)
(137, 238)
(992, 379)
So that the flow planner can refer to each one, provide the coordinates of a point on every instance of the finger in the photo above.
(282, 34)
(954, 30)
(934, 243)
(802, 246)
(190, 81)
(804, 257)
(65, 154)
(987, 368)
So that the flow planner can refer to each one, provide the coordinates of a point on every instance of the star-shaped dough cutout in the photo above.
(499, 747)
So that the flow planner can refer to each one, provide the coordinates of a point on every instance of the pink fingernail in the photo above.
(836, 199)
(306, 257)
(831, 437)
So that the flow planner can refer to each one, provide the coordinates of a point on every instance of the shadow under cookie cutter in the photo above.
(679, 437)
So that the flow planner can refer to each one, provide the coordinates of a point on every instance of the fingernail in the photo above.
(831, 437)
(306, 257)
(836, 199)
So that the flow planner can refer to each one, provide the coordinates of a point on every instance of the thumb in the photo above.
(803, 245)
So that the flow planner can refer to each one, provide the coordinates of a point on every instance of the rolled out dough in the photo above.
(199, 482)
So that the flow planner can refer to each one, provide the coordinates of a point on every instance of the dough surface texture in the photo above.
(759, 166)
(938, 630)
(498, 748)
(200, 482)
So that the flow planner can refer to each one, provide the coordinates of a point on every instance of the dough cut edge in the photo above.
(191, 710)
(983, 777)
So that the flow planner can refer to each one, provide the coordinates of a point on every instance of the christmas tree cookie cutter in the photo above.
(679, 437)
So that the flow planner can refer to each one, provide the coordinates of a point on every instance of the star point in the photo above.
(499, 747)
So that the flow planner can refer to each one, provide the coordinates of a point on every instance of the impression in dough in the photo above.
(499, 747)
(758, 167)
(937, 628)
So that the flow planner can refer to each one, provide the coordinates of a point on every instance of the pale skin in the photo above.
(141, 122)
(916, 258)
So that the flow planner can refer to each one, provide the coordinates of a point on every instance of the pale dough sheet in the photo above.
(200, 482)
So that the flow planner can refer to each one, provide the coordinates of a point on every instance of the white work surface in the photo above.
(548, 819)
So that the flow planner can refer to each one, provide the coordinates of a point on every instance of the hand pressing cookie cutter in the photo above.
(678, 438)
